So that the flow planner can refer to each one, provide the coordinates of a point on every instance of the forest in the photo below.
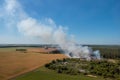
(109, 52)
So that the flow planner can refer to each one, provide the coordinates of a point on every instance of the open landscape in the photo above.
(77, 68)
(14, 63)
(29, 63)
(59, 39)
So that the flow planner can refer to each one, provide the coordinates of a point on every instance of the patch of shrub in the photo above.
(47, 65)
(76, 66)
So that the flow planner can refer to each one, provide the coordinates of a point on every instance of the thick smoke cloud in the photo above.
(46, 30)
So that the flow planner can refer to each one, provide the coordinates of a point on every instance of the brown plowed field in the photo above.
(14, 63)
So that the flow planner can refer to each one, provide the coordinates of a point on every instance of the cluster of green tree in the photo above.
(61, 66)
(105, 68)
(111, 53)
(95, 67)
(24, 50)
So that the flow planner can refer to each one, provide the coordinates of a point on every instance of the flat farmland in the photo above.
(14, 63)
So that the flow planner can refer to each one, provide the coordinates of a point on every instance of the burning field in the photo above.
(14, 63)
(46, 31)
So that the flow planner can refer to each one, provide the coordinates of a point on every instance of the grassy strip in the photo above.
(46, 74)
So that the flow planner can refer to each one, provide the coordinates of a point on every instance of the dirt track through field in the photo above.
(14, 63)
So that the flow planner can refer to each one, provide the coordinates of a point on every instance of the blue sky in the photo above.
(91, 21)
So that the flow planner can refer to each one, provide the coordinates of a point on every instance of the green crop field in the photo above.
(46, 74)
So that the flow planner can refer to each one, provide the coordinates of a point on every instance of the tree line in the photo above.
(112, 53)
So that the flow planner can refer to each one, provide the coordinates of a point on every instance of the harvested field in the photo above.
(41, 50)
(15, 63)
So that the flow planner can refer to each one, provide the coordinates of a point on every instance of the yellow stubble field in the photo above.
(13, 63)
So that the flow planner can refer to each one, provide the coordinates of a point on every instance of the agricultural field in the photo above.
(14, 63)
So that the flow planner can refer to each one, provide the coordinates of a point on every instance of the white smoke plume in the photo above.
(46, 30)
